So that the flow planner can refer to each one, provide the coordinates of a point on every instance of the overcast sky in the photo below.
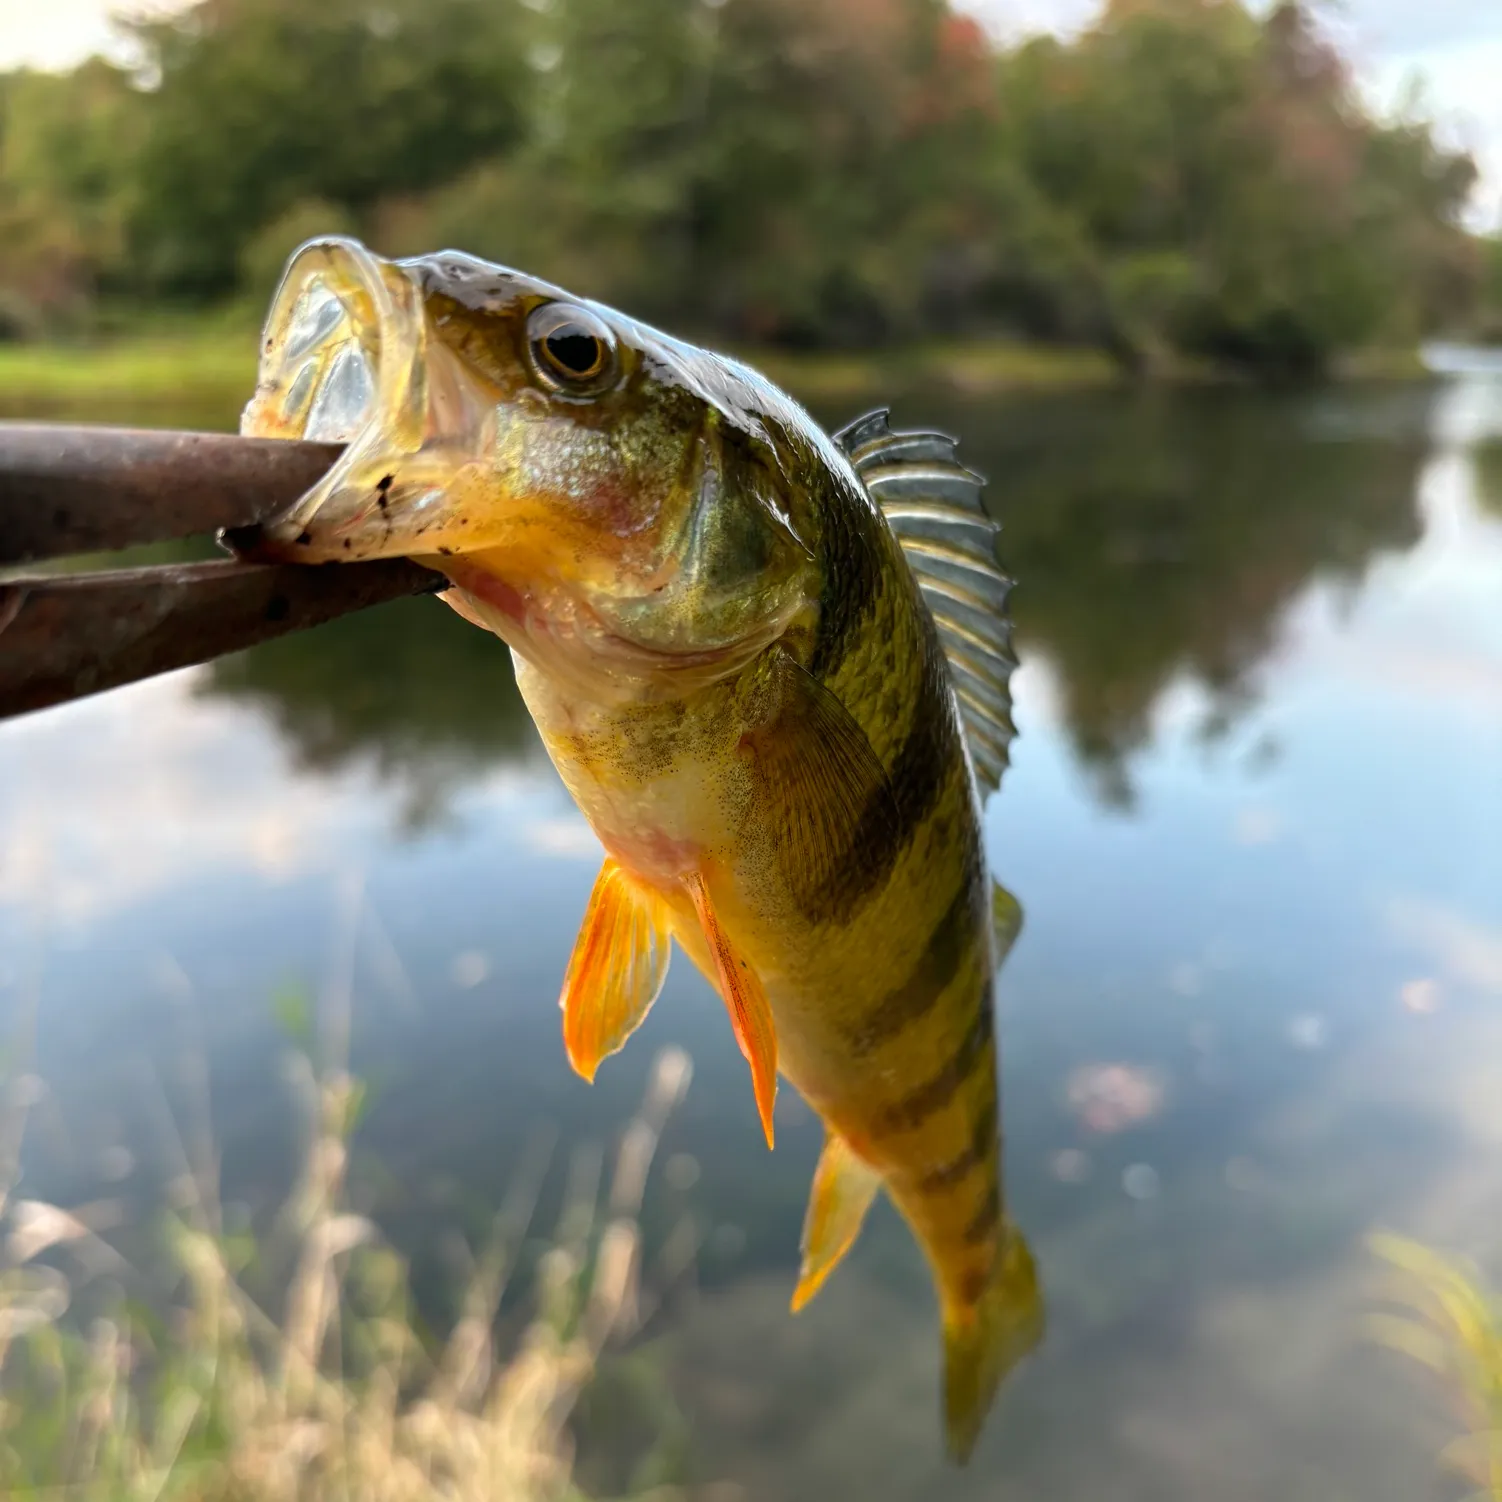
(1455, 46)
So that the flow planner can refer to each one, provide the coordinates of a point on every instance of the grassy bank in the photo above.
(210, 368)
(194, 370)
(214, 367)
(184, 1380)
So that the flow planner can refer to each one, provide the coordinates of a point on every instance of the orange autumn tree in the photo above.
(1237, 197)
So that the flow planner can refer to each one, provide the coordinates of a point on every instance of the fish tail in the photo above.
(984, 1340)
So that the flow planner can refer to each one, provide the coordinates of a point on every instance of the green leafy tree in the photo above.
(1240, 201)
(1488, 311)
(804, 172)
(261, 104)
(64, 193)
(1183, 177)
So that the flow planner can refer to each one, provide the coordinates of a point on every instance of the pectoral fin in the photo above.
(844, 1187)
(817, 776)
(750, 1012)
(620, 959)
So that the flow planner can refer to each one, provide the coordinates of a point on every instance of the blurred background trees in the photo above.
(1182, 178)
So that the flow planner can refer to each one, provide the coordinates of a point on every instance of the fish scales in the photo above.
(910, 959)
(739, 671)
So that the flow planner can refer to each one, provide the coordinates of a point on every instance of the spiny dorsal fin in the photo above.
(933, 504)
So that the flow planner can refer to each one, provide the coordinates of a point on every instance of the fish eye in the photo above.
(572, 351)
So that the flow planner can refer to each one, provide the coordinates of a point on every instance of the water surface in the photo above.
(1256, 1010)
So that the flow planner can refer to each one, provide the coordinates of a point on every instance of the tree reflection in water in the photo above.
(1156, 536)
(1159, 537)
(429, 701)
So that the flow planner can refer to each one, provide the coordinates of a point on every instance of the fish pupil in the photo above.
(576, 352)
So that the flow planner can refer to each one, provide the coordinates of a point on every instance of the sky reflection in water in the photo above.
(1253, 822)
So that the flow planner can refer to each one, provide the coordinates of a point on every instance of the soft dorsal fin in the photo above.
(933, 504)
(1006, 921)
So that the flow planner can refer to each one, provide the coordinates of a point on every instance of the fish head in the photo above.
(609, 500)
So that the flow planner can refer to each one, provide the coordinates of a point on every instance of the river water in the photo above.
(1254, 821)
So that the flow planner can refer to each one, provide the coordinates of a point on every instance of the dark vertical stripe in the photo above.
(981, 1150)
(850, 559)
(974, 1283)
(952, 938)
(928, 758)
(987, 1217)
(934, 1094)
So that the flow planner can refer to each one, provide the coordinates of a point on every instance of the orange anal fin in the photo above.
(844, 1187)
(620, 959)
(750, 1012)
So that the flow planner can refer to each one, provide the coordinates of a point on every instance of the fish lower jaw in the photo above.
(489, 599)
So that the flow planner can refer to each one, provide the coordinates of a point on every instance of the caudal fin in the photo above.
(984, 1342)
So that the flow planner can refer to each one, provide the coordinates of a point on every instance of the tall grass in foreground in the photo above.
(1446, 1319)
(336, 1397)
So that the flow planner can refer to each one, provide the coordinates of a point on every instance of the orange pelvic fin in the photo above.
(620, 959)
(844, 1187)
(750, 1012)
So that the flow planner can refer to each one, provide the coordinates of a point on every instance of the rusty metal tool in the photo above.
(71, 491)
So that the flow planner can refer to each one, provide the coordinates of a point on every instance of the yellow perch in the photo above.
(772, 668)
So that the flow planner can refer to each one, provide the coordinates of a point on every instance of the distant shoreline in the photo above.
(213, 368)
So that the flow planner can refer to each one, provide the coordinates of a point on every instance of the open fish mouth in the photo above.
(346, 358)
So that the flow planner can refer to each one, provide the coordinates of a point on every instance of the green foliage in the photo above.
(262, 104)
(1487, 461)
(1489, 321)
(262, 259)
(198, 374)
(1183, 178)
(1239, 200)
(1491, 261)
(64, 193)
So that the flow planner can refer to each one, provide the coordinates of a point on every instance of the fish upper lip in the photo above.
(390, 427)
